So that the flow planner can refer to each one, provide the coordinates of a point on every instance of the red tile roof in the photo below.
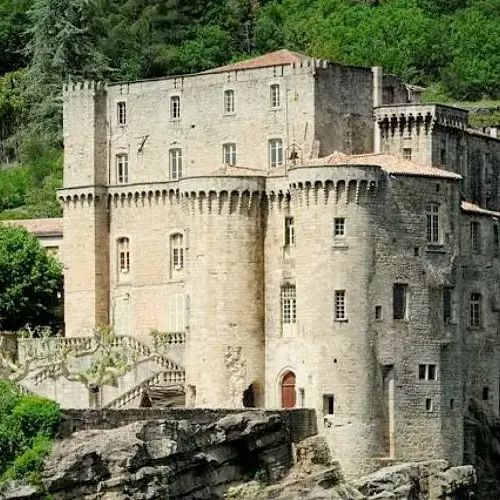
(389, 163)
(474, 209)
(278, 58)
(38, 227)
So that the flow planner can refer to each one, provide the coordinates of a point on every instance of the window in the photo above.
(121, 112)
(407, 153)
(476, 319)
(443, 156)
(474, 237)
(275, 152)
(447, 310)
(176, 313)
(486, 393)
(340, 305)
(289, 232)
(339, 227)
(175, 164)
(122, 168)
(229, 154)
(328, 404)
(123, 256)
(175, 107)
(378, 313)
(177, 251)
(288, 309)
(275, 98)
(400, 299)
(121, 315)
(496, 241)
(427, 372)
(432, 213)
(428, 404)
(229, 101)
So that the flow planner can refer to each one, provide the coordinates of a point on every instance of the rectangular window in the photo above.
(275, 98)
(339, 227)
(447, 308)
(123, 256)
(427, 372)
(476, 319)
(175, 107)
(496, 241)
(340, 305)
(432, 215)
(177, 251)
(407, 153)
(289, 232)
(400, 299)
(176, 313)
(275, 153)
(486, 393)
(428, 404)
(121, 316)
(328, 404)
(175, 164)
(229, 101)
(475, 237)
(288, 310)
(229, 154)
(122, 169)
(121, 111)
(378, 313)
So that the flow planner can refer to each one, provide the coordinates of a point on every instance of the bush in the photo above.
(27, 426)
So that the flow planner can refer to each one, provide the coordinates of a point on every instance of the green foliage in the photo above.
(27, 426)
(30, 279)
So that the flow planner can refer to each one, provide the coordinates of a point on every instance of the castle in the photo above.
(319, 236)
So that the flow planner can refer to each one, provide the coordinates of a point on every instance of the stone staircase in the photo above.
(151, 368)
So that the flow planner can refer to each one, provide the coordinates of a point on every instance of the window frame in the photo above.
(121, 113)
(340, 305)
(475, 236)
(339, 227)
(427, 372)
(496, 240)
(476, 310)
(433, 229)
(275, 96)
(175, 164)
(276, 152)
(288, 299)
(123, 257)
(404, 301)
(122, 176)
(175, 107)
(447, 300)
(289, 236)
(177, 252)
(229, 102)
(229, 151)
(407, 152)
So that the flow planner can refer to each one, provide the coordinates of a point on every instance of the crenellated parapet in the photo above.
(409, 119)
(84, 196)
(83, 89)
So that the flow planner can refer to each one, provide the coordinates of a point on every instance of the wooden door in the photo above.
(288, 395)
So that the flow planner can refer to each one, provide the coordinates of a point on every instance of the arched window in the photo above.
(123, 257)
(288, 394)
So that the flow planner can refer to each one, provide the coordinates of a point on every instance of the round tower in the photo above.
(225, 338)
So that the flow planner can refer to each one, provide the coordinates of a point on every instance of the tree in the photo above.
(30, 280)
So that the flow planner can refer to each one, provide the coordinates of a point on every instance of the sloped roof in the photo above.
(474, 209)
(389, 163)
(278, 58)
(39, 227)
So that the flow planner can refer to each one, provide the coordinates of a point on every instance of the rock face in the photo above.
(162, 459)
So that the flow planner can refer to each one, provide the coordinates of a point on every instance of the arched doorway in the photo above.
(288, 395)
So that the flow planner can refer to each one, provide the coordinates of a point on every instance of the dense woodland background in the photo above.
(450, 46)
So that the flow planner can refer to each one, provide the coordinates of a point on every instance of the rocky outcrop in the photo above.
(162, 459)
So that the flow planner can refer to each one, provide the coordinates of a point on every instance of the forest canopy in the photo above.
(450, 46)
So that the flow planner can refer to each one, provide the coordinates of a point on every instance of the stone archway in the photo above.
(288, 392)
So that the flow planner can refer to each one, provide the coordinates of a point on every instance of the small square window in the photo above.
(428, 404)
(339, 227)
(378, 313)
(427, 372)
(175, 107)
(407, 153)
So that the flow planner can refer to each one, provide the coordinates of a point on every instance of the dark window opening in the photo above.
(399, 301)
(328, 404)
(447, 311)
(486, 393)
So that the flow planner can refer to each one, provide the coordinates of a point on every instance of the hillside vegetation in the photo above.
(450, 46)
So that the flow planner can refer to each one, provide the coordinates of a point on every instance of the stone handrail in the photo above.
(170, 377)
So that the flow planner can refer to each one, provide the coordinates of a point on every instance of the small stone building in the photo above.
(319, 236)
